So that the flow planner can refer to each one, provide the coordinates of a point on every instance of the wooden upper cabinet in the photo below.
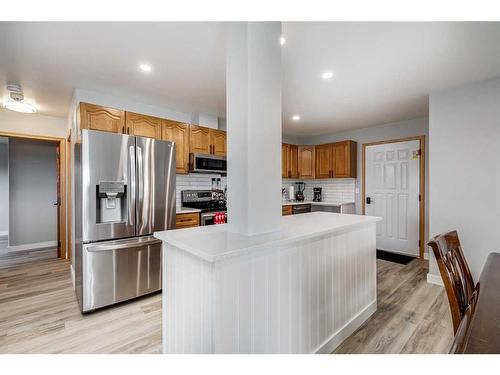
(306, 161)
(142, 125)
(345, 159)
(289, 161)
(96, 117)
(324, 161)
(284, 158)
(293, 161)
(178, 132)
(199, 139)
(218, 142)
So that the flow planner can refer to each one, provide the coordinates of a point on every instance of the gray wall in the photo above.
(376, 133)
(33, 191)
(465, 168)
(4, 186)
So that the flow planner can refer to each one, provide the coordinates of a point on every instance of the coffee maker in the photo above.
(317, 194)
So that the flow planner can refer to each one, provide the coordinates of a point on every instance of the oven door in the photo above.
(202, 163)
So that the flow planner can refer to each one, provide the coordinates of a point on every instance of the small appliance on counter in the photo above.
(299, 195)
(211, 203)
(317, 194)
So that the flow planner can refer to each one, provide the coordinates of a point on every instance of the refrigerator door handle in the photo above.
(131, 193)
(124, 245)
(140, 189)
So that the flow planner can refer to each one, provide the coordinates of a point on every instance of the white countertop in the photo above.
(322, 203)
(186, 210)
(215, 242)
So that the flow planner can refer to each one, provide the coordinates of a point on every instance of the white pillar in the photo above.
(253, 105)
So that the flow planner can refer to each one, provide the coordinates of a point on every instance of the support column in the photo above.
(253, 107)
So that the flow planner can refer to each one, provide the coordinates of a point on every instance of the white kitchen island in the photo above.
(303, 289)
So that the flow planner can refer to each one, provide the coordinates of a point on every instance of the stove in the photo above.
(211, 203)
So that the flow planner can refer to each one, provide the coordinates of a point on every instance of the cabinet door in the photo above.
(306, 161)
(142, 125)
(324, 161)
(199, 139)
(284, 160)
(95, 117)
(178, 132)
(293, 161)
(345, 159)
(218, 142)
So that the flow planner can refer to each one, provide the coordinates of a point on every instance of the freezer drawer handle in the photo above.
(98, 248)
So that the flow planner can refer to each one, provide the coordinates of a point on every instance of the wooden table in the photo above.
(485, 325)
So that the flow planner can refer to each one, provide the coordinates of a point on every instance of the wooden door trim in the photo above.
(62, 251)
(421, 139)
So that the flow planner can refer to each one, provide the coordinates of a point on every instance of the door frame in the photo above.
(421, 139)
(62, 249)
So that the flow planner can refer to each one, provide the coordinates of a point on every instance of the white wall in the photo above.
(375, 133)
(4, 186)
(33, 191)
(465, 168)
(33, 124)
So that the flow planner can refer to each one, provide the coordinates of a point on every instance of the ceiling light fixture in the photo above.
(145, 67)
(16, 100)
(327, 75)
(282, 40)
(296, 118)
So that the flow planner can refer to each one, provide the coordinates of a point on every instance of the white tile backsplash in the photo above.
(338, 190)
(194, 181)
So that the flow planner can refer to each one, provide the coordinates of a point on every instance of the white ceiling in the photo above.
(383, 72)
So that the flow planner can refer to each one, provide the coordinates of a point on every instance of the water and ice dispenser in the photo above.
(111, 202)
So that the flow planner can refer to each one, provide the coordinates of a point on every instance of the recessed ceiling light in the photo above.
(145, 67)
(327, 75)
(282, 40)
(296, 118)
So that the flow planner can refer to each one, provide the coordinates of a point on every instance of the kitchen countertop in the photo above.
(187, 210)
(214, 242)
(296, 203)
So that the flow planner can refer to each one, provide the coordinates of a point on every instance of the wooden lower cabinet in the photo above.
(306, 158)
(143, 125)
(96, 117)
(286, 210)
(187, 220)
(178, 132)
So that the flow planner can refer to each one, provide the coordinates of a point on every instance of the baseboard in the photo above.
(434, 279)
(32, 246)
(4, 233)
(330, 344)
(72, 272)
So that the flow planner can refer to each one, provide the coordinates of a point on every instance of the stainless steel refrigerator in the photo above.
(124, 191)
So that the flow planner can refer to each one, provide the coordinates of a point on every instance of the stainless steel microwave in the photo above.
(204, 163)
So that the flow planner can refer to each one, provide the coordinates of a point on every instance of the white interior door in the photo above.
(392, 192)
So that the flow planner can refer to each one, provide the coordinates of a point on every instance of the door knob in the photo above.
(368, 200)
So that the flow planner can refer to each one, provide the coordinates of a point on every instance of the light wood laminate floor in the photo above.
(39, 314)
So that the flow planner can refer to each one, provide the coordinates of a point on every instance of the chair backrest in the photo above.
(463, 332)
(455, 273)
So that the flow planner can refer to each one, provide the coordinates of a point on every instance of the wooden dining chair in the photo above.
(455, 273)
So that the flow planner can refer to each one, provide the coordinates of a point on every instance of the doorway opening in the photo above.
(33, 199)
(394, 189)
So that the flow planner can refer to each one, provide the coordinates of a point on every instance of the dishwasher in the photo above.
(301, 209)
